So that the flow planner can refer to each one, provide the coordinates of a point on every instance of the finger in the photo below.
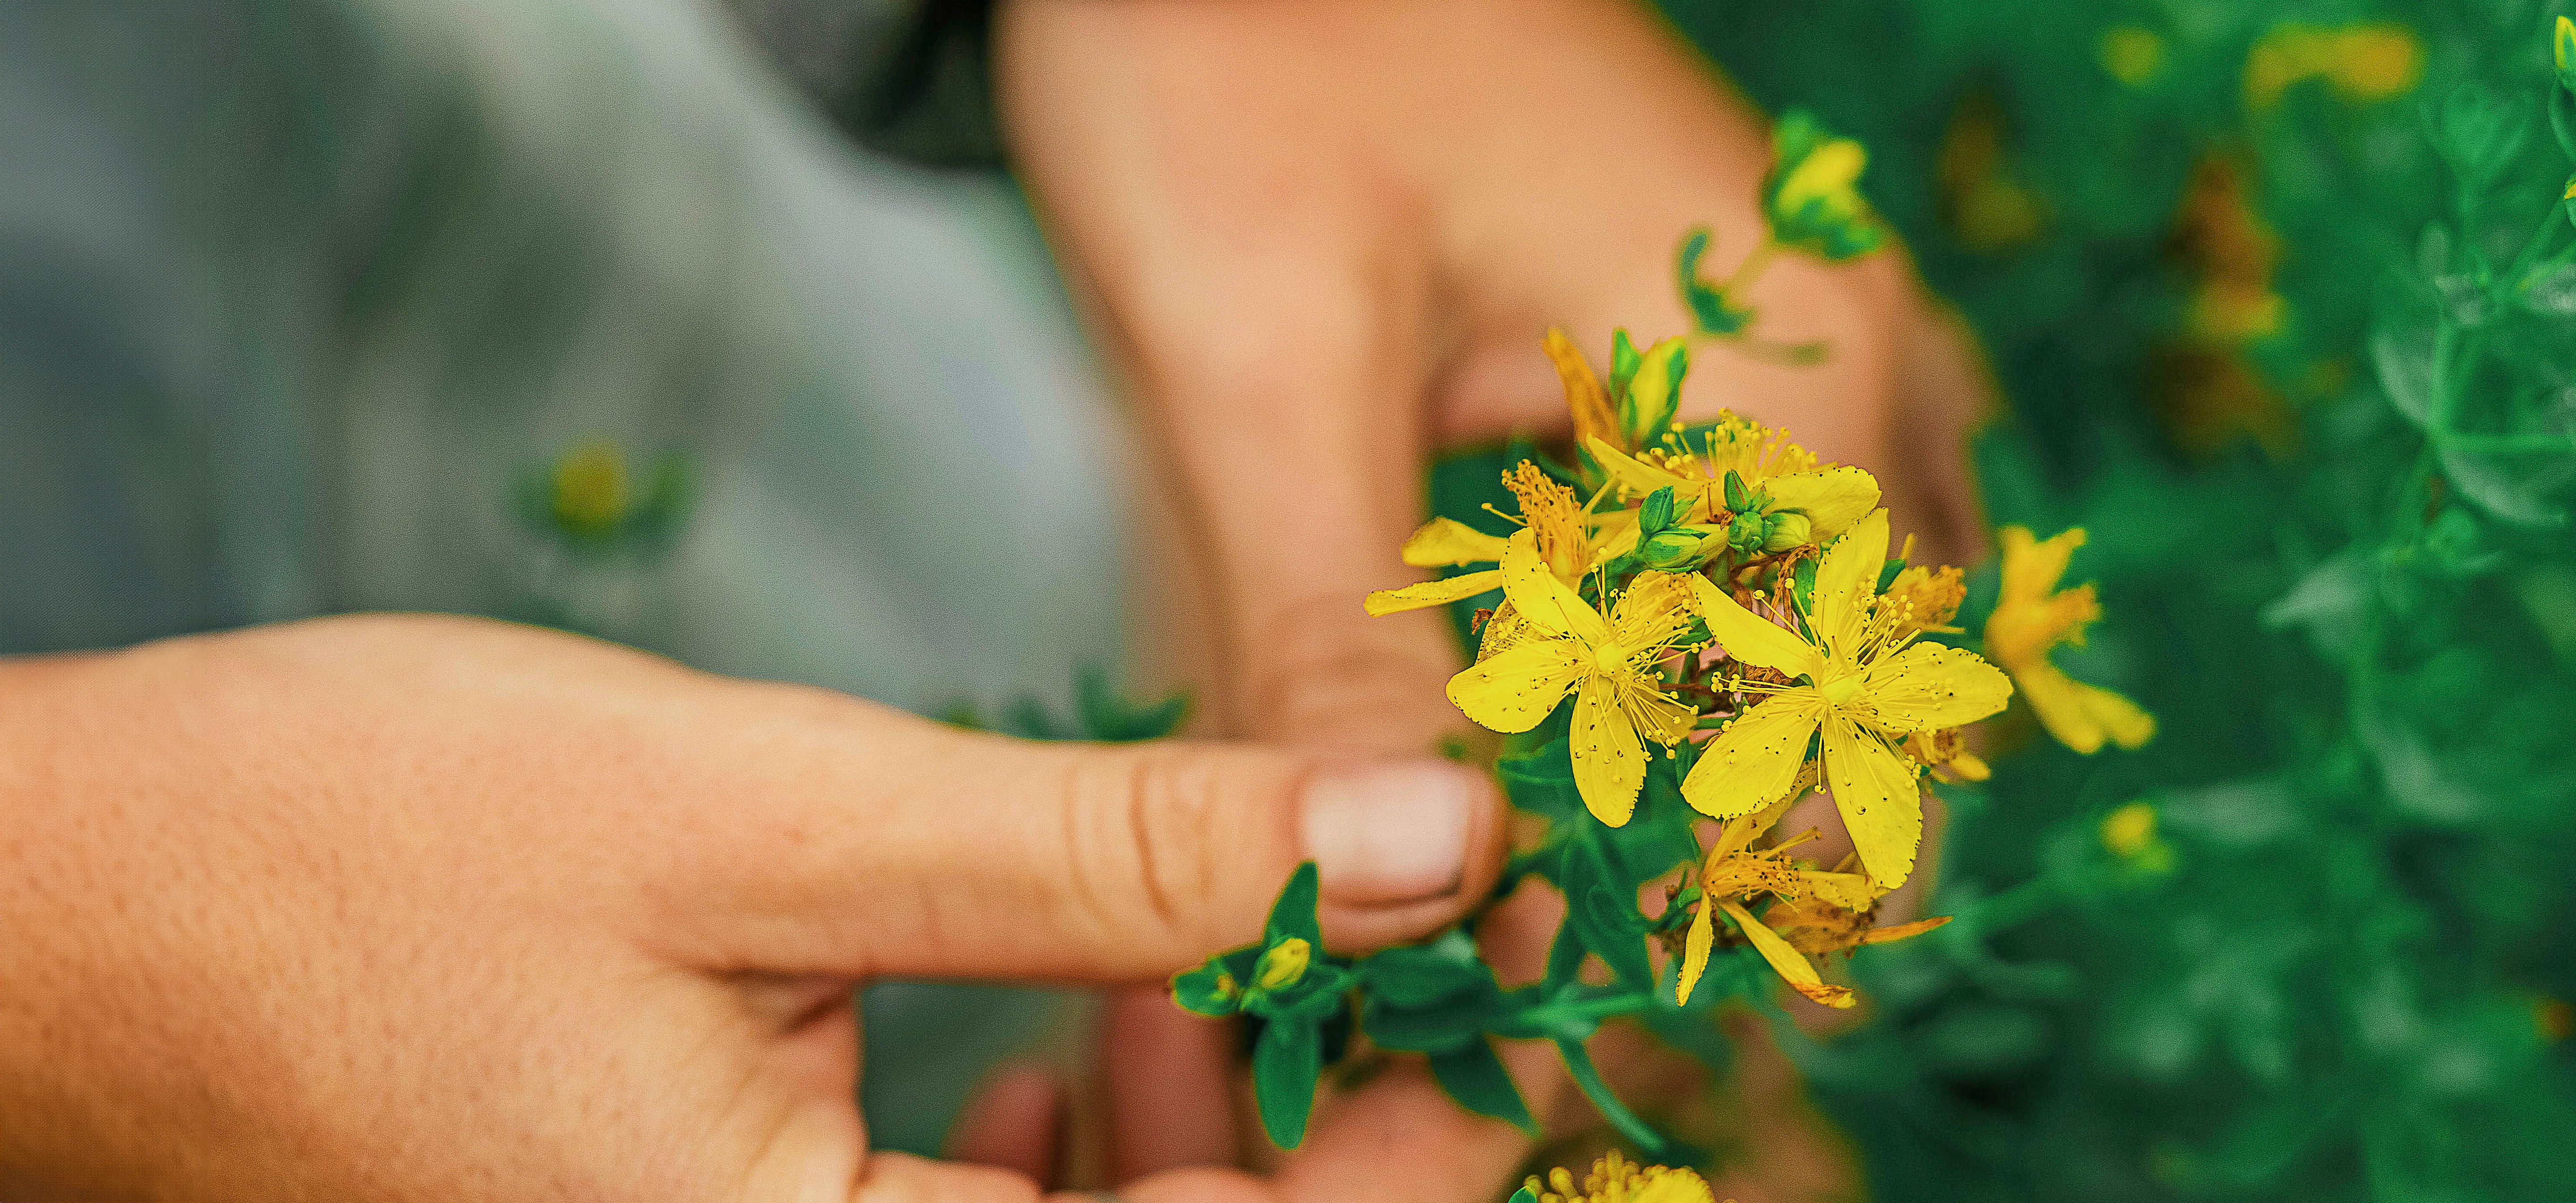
(1168, 1075)
(1270, 313)
(832, 836)
(1016, 1123)
(901, 1178)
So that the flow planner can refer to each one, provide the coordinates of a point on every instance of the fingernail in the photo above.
(1392, 832)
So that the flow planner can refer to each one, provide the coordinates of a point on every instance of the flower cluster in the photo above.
(1681, 627)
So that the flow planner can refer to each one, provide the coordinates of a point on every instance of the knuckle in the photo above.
(1155, 832)
(1317, 670)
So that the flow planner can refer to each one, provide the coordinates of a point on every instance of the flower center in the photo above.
(1841, 690)
(1610, 658)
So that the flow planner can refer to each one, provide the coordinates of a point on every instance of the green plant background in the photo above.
(2354, 612)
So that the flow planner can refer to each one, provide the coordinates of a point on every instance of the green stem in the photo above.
(1751, 269)
(1579, 1063)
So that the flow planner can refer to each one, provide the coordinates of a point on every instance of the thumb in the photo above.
(873, 844)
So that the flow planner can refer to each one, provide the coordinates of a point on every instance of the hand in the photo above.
(430, 908)
(1321, 239)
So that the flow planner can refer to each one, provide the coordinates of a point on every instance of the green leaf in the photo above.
(1476, 1079)
(1211, 990)
(1286, 1060)
(1293, 915)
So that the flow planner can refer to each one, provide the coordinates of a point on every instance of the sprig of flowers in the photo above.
(1697, 623)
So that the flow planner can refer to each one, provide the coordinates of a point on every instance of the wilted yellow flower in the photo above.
(1615, 1179)
(1734, 872)
(1866, 684)
(1565, 646)
(1552, 521)
(2033, 615)
(1815, 927)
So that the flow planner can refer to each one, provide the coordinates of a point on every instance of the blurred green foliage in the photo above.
(2281, 298)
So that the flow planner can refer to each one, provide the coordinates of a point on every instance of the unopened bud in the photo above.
(1283, 964)
(1780, 532)
(1670, 548)
(1738, 497)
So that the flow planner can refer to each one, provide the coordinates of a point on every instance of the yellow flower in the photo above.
(2033, 615)
(590, 487)
(1782, 476)
(1615, 1179)
(1816, 927)
(1553, 522)
(2132, 55)
(2364, 62)
(2130, 834)
(1734, 872)
(1562, 646)
(1866, 683)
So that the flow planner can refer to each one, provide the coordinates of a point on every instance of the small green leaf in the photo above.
(1293, 915)
(1286, 1060)
(1476, 1079)
(1209, 990)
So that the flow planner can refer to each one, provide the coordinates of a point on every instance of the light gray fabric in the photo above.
(292, 291)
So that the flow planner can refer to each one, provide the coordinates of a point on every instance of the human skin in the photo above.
(1319, 240)
(407, 907)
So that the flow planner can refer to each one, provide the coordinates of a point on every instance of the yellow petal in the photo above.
(1654, 608)
(1756, 758)
(1433, 593)
(1881, 805)
(1636, 478)
(1832, 499)
(1609, 762)
(1927, 687)
(2082, 716)
(1850, 891)
(1446, 543)
(1785, 961)
(1695, 949)
(1513, 690)
(1749, 637)
(1847, 578)
(1546, 602)
(1585, 399)
(1887, 935)
(2031, 568)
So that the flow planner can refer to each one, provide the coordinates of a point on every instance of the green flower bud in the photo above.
(1283, 964)
(1656, 513)
(1674, 548)
(1780, 532)
(1738, 498)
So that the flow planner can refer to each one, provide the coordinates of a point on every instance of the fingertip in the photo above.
(1401, 847)
(1015, 1122)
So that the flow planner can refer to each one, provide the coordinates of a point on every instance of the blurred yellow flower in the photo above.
(1562, 645)
(1866, 683)
(589, 491)
(2131, 54)
(2033, 615)
(1615, 1179)
(2369, 61)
